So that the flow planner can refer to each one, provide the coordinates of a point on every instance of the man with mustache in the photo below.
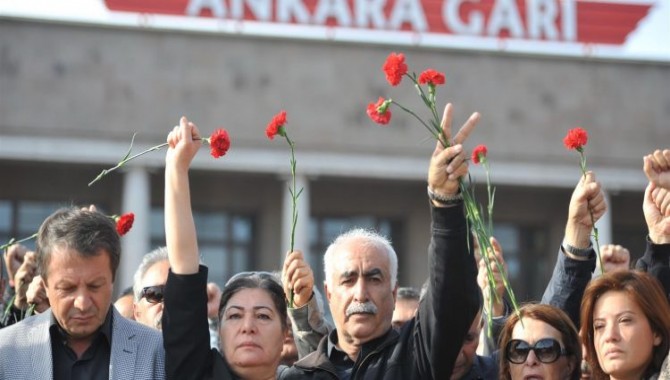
(361, 286)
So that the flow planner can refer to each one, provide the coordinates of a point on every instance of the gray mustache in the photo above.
(361, 308)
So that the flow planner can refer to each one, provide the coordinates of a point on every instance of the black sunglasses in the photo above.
(546, 350)
(153, 294)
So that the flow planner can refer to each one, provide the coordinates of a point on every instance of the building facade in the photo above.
(72, 94)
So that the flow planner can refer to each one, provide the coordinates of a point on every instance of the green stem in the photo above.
(294, 203)
(8, 307)
(107, 171)
(473, 217)
(428, 100)
(31, 310)
(130, 158)
(489, 206)
(437, 136)
(582, 164)
(12, 241)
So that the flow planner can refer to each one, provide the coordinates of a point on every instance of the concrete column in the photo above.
(136, 199)
(605, 224)
(301, 241)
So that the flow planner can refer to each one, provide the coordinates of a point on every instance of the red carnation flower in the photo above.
(275, 127)
(576, 138)
(395, 68)
(479, 153)
(379, 112)
(124, 223)
(431, 76)
(219, 143)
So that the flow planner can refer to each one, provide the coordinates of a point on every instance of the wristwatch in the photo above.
(581, 252)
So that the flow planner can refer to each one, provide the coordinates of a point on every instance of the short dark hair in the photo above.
(408, 293)
(84, 231)
(128, 291)
(257, 280)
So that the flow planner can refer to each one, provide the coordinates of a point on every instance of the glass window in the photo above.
(225, 241)
(6, 216)
(524, 250)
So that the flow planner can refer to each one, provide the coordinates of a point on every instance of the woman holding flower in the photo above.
(252, 311)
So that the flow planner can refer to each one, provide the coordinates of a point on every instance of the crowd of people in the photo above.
(60, 322)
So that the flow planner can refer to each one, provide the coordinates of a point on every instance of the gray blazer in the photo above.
(25, 350)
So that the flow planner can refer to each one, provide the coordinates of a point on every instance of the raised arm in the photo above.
(185, 326)
(656, 208)
(576, 257)
(656, 258)
(452, 282)
(180, 237)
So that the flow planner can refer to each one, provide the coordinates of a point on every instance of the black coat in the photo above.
(427, 346)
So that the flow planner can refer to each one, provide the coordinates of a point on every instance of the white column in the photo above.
(135, 244)
(605, 224)
(301, 241)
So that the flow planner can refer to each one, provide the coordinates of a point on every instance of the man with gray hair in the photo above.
(361, 287)
(148, 286)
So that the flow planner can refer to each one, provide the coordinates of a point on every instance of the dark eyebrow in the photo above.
(349, 273)
(256, 308)
(373, 272)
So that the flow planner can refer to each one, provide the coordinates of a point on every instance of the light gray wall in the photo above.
(104, 84)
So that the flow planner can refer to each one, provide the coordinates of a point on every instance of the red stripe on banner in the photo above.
(596, 21)
(608, 23)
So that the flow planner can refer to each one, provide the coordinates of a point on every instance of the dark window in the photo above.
(225, 241)
(529, 259)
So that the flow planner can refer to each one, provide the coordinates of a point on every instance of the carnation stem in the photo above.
(582, 164)
(294, 204)
(475, 222)
(8, 307)
(429, 100)
(127, 158)
(122, 162)
(483, 236)
(12, 241)
(31, 310)
(439, 137)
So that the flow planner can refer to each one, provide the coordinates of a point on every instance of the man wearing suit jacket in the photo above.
(81, 336)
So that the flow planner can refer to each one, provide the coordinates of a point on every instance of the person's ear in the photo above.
(136, 312)
(325, 288)
(657, 339)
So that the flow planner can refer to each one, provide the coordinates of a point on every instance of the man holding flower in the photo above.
(361, 272)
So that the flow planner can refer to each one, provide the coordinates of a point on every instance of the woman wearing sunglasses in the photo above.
(625, 320)
(544, 345)
(252, 312)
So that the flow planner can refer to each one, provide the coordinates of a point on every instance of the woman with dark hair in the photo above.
(542, 344)
(252, 312)
(625, 318)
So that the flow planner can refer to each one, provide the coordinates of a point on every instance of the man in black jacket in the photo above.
(361, 271)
